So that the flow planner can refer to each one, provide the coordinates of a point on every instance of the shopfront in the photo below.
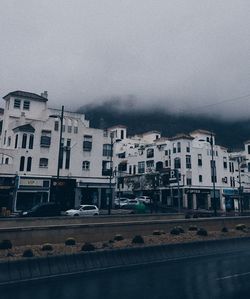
(30, 192)
(7, 191)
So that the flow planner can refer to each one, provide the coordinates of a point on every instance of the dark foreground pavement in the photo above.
(215, 276)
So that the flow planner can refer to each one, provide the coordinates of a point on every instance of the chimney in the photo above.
(44, 94)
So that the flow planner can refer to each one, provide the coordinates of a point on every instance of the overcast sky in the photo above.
(184, 54)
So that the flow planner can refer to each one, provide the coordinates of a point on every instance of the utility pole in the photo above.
(213, 174)
(179, 196)
(110, 174)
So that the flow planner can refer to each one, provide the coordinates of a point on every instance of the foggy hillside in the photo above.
(231, 134)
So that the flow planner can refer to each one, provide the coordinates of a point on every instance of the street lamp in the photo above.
(60, 147)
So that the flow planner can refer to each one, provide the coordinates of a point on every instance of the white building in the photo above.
(29, 155)
(144, 165)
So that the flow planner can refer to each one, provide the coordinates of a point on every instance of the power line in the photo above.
(221, 102)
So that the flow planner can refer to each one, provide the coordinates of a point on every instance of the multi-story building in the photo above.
(149, 164)
(30, 160)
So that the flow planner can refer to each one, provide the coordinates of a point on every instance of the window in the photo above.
(174, 148)
(122, 134)
(248, 167)
(56, 125)
(225, 162)
(43, 163)
(200, 178)
(67, 161)
(29, 162)
(16, 141)
(188, 147)
(199, 160)
(189, 181)
(248, 149)
(188, 162)
(17, 103)
(107, 150)
(69, 129)
(150, 153)
(4, 139)
(45, 138)
(75, 130)
(150, 163)
(6, 160)
(134, 169)
(22, 161)
(178, 147)
(9, 141)
(121, 155)
(106, 168)
(31, 141)
(122, 167)
(177, 163)
(166, 163)
(26, 105)
(231, 166)
(130, 169)
(24, 141)
(87, 143)
(141, 167)
(85, 165)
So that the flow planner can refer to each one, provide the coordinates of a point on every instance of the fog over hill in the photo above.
(229, 133)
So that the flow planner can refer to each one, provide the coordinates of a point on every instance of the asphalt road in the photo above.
(224, 276)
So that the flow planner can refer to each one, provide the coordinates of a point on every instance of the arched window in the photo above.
(29, 162)
(22, 160)
(24, 141)
(16, 141)
(31, 141)
(85, 165)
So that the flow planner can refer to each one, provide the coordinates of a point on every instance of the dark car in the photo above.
(47, 209)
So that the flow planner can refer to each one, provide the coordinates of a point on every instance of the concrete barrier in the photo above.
(35, 268)
(94, 232)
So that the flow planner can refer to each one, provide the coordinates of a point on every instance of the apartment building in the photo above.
(30, 159)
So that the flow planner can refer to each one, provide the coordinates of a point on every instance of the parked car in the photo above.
(83, 210)
(130, 204)
(48, 209)
(144, 199)
(119, 202)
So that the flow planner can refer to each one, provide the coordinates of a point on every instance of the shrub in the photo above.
(88, 247)
(224, 230)
(193, 228)
(202, 232)
(181, 230)
(175, 231)
(138, 239)
(240, 226)
(70, 242)
(118, 237)
(5, 244)
(187, 216)
(28, 253)
(47, 247)
(156, 233)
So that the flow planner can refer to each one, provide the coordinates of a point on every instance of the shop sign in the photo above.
(33, 183)
(197, 191)
(230, 192)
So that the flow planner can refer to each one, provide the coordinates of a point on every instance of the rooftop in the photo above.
(25, 95)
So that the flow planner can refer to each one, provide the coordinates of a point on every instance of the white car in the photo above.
(119, 202)
(144, 199)
(83, 210)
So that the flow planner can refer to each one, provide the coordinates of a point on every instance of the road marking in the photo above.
(233, 276)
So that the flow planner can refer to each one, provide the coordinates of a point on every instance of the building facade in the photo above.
(29, 156)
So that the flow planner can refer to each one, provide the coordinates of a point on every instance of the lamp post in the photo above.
(240, 161)
(59, 149)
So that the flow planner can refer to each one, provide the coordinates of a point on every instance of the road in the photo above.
(218, 276)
